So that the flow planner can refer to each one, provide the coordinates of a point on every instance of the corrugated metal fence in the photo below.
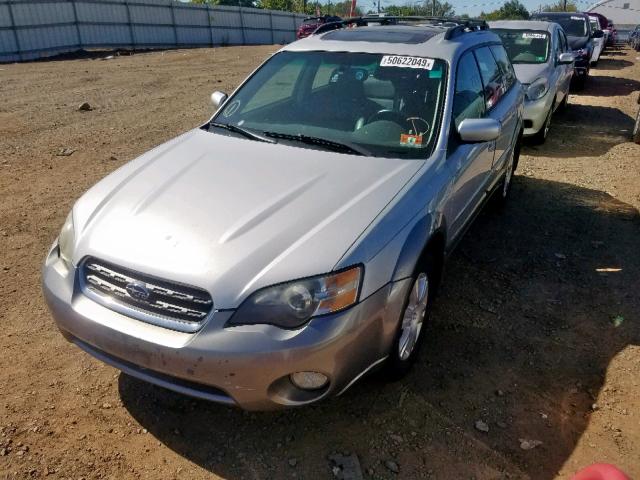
(37, 28)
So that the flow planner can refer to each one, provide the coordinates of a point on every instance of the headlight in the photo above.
(66, 240)
(292, 304)
(537, 89)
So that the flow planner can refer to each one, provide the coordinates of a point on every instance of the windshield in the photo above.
(574, 25)
(384, 105)
(525, 46)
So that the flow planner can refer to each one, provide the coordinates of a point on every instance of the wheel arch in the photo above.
(426, 242)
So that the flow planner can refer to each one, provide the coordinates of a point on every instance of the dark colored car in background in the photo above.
(634, 38)
(577, 26)
(604, 25)
(309, 25)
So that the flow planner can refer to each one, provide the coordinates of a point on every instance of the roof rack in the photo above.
(454, 25)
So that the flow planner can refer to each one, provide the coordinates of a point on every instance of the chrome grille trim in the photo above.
(168, 304)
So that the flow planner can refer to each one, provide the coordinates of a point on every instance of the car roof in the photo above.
(523, 25)
(417, 40)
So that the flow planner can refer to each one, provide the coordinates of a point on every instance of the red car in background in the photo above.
(310, 24)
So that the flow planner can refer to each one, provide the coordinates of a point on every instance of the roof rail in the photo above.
(455, 26)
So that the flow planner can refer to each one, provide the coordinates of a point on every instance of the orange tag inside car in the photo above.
(411, 140)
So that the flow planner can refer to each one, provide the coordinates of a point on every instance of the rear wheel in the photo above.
(501, 195)
(636, 129)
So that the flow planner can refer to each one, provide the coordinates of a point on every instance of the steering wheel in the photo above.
(416, 123)
(411, 123)
(389, 115)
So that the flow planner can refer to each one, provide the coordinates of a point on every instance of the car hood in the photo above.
(232, 215)
(577, 42)
(529, 73)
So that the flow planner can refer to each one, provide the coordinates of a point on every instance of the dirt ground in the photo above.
(536, 332)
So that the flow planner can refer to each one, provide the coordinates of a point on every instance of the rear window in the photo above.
(573, 25)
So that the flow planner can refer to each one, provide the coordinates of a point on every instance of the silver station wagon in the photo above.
(295, 241)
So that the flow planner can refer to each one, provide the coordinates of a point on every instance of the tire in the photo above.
(565, 102)
(636, 129)
(501, 193)
(413, 319)
(580, 82)
(541, 136)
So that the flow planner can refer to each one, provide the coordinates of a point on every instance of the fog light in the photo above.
(309, 380)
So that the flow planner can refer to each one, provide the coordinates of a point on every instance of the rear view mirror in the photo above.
(473, 130)
(566, 58)
(597, 34)
(217, 99)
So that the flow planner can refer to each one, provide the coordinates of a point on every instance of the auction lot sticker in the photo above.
(533, 35)
(406, 62)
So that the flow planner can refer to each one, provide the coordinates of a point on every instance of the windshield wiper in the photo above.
(242, 131)
(321, 142)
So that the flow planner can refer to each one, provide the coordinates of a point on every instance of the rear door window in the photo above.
(492, 78)
(504, 63)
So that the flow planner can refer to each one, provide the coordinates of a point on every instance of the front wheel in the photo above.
(580, 82)
(415, 314)
(565, 102)
(541, 136)
(501, 195)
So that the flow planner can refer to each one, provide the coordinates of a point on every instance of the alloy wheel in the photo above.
(413, 317)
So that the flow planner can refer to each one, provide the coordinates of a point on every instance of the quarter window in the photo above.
(468, 101)
(492, 78)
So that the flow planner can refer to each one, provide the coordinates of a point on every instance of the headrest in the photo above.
(343, 75)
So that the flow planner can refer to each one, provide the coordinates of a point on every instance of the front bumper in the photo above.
(248, 365)
(535, 113)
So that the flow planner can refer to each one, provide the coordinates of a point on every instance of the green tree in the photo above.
(427, 8)
(511, 10)
(236, 3)
(560, 6)
(342, 9)
(307, 7)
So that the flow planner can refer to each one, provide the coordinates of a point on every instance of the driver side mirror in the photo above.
(597, 34)
(475, 130)
(217, 99)
(565, 58)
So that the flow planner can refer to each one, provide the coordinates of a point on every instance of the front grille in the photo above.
(167, 304)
